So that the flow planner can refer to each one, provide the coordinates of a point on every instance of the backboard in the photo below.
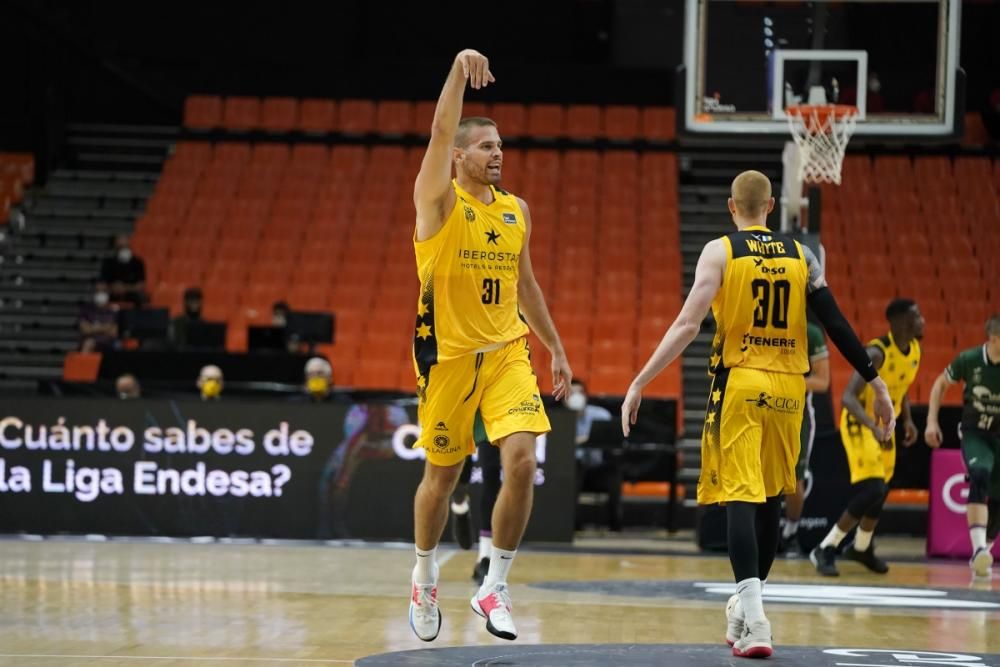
(747, 60)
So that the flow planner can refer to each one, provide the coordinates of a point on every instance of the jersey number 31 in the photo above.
(491, 290)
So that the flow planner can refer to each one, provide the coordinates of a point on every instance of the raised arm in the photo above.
(707, 280)
(432, 193)
(531, 303)
(821, 300)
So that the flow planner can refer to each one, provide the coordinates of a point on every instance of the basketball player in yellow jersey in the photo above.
(478, 296)
(872, 463)
(757, 283)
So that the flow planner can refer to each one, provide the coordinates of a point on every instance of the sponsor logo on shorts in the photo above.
(526, 407)
(776, 403)
(441, 441)
(441, 426)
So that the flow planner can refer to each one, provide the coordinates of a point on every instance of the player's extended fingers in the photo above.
(626, 418)
(489, 76)
(477, 74)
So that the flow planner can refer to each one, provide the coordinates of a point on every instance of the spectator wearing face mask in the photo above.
(124, 273)
(586, 414)
(319, 380)
(596, 469)
(279, 314)
(210, 383)
(127, 387)
(98, 323)
(181, 324)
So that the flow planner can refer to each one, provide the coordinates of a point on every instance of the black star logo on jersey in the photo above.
(491, 237)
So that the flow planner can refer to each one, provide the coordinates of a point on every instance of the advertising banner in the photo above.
(948, 530)
(251, 469)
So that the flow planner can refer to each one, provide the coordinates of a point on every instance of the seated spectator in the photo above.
(279, 314)
(319, 380)
(210, 383)
(98, 323)
(125, 273)
(127, 387)
(192, 313)
(598, 470)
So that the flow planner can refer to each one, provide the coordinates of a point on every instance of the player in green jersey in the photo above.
(979, 369)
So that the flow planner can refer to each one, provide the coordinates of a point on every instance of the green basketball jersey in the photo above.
(981, 409)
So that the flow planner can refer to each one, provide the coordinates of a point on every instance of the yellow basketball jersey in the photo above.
(468, 279)
(898, 371)
(760, 310)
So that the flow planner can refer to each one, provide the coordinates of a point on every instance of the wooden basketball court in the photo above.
(145, 603)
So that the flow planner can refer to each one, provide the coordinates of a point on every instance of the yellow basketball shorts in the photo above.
(500, 384)
(867, 458)
(750, 443)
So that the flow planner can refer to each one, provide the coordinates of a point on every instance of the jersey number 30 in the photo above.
(491, 290)
(777, 309)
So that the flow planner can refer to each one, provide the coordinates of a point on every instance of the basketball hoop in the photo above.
(821, 131)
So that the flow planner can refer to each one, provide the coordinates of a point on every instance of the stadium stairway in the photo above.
(705, 178)
(51, 253)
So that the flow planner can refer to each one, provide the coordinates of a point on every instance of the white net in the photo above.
(821, 133)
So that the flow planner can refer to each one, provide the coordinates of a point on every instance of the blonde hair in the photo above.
(751, 192)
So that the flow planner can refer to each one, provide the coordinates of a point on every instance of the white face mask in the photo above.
(124, 255)
(576, 401)
(100, 298)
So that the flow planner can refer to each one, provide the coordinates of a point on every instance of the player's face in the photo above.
(915, 322)
(993, 343)
(482, 159)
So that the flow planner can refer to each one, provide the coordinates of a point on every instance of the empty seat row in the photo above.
(401, 117)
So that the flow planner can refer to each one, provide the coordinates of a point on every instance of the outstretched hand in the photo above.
(475, 68)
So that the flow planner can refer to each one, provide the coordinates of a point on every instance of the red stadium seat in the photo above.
(511, 119)
(546, 121)
(203, 112)
(584, 121)
(241, 113)
(317, 116)
(279, 114)
(621, 122)
(357, 116)
(658, 124)
(394, 118)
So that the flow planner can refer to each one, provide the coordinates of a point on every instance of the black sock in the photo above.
(741, 531)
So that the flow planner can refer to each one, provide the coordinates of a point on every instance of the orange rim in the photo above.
(816, 116)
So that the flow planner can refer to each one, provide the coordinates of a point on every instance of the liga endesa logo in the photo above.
(955, 493)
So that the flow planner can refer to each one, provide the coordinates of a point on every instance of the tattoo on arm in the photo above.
(816, 277)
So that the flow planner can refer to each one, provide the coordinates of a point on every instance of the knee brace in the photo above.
(979, 484)
(867, 499)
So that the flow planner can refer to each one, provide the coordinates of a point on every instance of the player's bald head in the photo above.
(751, 194)
(467, 129)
